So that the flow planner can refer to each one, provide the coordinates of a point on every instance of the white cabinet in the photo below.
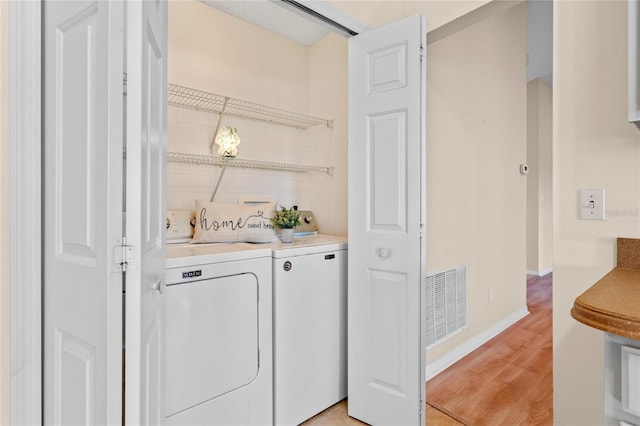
(622, 381)
(630, 360)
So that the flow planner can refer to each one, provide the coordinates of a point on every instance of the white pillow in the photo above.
(225, 223)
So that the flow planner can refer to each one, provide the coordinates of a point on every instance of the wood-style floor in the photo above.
(507, 381)
(337, 416)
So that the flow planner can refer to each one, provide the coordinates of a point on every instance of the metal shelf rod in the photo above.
(210, 160)
(206, 101)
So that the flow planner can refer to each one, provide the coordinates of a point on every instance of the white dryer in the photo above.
(219, 335)
(310, 326)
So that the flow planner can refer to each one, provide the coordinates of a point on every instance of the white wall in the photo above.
(217, 52)
(328, 78)
(539, 180)
(593, 147)
(476, 140)
(212, 51)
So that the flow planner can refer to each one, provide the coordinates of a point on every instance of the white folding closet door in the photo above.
(86, 191)
(386, 215)
(146, 131)
(82, 185)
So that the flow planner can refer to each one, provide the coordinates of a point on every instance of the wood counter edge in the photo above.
(609, 322)
(606, 323)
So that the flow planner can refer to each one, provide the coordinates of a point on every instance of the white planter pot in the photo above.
(286, 235)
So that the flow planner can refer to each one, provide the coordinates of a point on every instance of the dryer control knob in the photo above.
(308, 219)
(287, 266)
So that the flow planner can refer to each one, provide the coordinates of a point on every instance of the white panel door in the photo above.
(386, 216)
(82, 184)
(145, 209)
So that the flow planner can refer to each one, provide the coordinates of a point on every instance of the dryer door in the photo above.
(212, 339)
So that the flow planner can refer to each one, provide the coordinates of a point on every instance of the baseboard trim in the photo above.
(474, 343)
(541, 273)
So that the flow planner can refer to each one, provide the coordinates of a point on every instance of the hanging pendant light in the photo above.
(228, 140)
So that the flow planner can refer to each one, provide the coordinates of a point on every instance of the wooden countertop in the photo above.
(613, 303)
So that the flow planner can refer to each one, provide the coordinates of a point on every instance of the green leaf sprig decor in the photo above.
(286, 218)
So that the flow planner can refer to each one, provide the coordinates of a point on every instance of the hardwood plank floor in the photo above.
(336, 415)
(508, 380)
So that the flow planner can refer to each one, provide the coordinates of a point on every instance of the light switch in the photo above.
(592, 204)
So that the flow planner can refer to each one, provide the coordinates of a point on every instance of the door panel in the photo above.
(387, 68)
(152, 141)
(76, 139)
(82, 184)
(388, 328)
(145, 210)
(386, 144)
(152, 371)
(75, 377)
(386, 216)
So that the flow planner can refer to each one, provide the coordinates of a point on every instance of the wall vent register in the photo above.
(446, 304)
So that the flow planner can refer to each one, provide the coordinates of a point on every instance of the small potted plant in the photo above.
(286, 219)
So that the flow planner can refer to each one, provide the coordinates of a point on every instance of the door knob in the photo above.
(384, 252)
(157, 286)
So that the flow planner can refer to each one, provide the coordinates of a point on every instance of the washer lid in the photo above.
(306, 245)
(181, 255)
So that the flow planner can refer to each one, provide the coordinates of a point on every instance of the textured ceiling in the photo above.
(273, 17)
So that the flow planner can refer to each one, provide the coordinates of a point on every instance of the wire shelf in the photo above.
(205, 101)
(210, 160)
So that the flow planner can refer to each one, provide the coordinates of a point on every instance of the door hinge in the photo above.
(123, 256)
(421, 53)
(124, 83)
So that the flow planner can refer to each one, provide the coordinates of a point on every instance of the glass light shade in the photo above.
(228, 140)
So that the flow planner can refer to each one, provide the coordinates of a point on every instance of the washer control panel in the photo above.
(307, 222)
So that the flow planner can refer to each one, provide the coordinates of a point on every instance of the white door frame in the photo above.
(25, 212)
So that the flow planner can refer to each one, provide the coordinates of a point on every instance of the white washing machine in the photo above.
(310, 326)
(219, 335)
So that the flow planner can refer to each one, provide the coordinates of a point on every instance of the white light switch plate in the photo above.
(592, 204)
